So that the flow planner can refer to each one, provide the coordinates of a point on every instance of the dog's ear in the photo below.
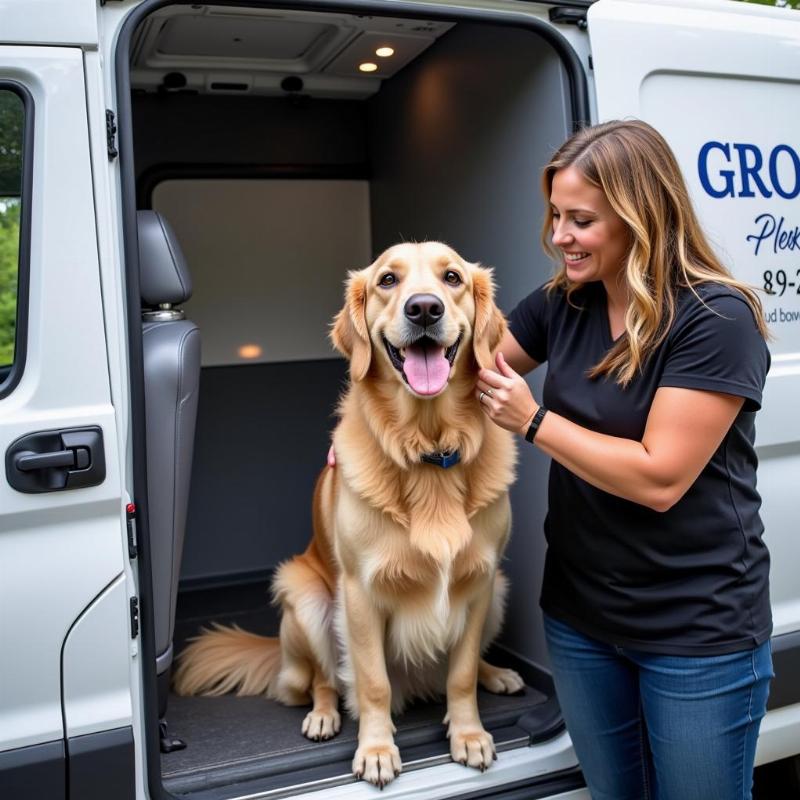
(490, 324)
(349, 333)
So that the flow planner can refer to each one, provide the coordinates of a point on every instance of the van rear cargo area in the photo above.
(274, 196)
(257, 742)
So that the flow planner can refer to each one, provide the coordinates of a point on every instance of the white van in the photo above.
(152, 485)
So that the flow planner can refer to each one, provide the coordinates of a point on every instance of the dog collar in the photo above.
(444, 460)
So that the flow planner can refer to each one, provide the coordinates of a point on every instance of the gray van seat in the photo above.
(171, 351)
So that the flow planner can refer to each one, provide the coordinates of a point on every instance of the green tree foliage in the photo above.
(778, 3)
(11, 122)
(12, 118)
(9, 265)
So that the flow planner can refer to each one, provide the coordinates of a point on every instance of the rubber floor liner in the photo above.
(243, 739)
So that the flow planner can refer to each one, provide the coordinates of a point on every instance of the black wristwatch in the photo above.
(535, 423)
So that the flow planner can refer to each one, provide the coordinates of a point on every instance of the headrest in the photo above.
(163, 273)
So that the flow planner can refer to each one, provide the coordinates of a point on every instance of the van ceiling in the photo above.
(227, 50)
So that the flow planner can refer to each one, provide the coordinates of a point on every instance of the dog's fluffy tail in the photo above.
(226, 659)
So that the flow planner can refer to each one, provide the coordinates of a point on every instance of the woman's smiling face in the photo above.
(591, 235)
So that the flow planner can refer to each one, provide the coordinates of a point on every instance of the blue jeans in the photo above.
(657, 727)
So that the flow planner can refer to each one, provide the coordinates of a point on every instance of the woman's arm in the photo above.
(684, 428)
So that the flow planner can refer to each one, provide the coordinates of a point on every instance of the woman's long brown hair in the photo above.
(637, 171)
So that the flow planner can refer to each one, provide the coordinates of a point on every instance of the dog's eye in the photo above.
(388, 280)
(453, 278)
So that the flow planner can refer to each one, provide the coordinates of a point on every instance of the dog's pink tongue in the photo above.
(426, 368)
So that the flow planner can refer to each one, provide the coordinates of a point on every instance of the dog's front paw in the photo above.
(500, 680)
(378, 764)
(473, 748)
(320, 725)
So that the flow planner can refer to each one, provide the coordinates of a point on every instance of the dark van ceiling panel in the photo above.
(234, 38)
(215, 49)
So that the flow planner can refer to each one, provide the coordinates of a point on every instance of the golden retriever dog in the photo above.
(399, 591)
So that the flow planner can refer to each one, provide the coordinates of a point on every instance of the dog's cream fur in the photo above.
(399, 591)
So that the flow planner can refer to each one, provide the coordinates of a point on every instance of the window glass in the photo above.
(11, 146)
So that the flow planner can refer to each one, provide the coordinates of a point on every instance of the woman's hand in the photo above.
(505, 397)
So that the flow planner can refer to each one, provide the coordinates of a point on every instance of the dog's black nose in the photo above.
(424, 309)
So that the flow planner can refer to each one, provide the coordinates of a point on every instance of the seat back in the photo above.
(171, 351)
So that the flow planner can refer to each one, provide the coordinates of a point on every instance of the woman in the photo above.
(655, 589)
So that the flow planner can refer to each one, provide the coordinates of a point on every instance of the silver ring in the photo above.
(490, 392)
(480, 397)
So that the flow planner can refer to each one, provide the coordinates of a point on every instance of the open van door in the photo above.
(719, 80)
(65, 634)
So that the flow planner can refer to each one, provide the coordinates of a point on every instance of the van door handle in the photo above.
(27, 461)
(52, 461)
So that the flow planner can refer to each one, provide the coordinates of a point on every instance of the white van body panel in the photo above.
(100, 95)
(58, 550)
(97, 692)
(778, 735)
(61, 22)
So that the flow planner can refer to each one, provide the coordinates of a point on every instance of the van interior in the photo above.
(284, 148)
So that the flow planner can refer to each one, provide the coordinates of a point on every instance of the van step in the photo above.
(322, 764)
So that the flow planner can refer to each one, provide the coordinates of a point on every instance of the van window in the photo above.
(12, 120)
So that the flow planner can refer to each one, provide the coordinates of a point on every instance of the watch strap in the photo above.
(535, 423)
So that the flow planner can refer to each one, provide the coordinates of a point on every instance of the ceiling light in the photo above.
(249, 351)
(368, 66)
(384, 52)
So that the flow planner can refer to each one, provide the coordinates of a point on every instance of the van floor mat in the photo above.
(233, 739)
(240, 739)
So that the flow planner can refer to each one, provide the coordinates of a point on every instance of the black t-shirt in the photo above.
(689, 581)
